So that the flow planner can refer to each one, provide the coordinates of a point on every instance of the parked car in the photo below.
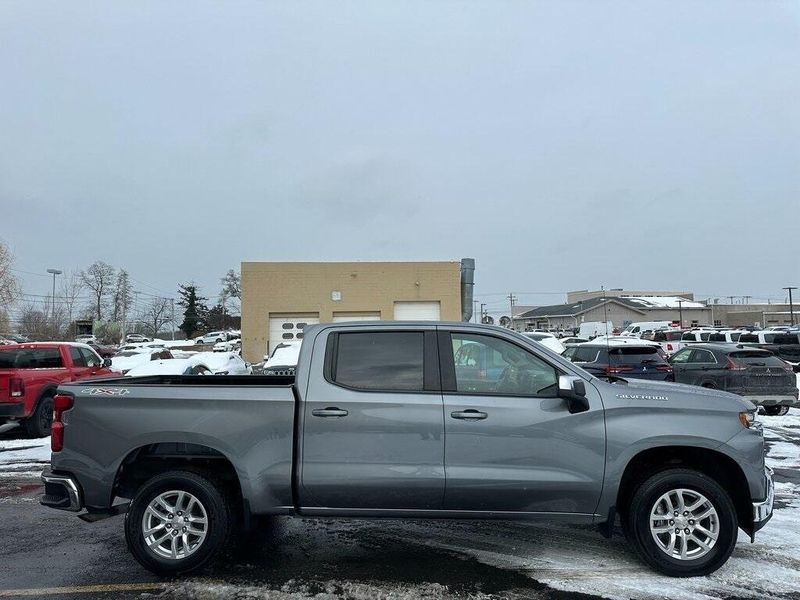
(361, 430)
(669, 339)
(225, 363)
(640, 361)
(171, 366)
(636, 329)
(729, 336)
(756, 374)
(212, 337)
(592, 329)
(283, 359)
(104, 350)
(696, 335)
(15, 338)
(572, 340)
(30, 374)
(231, 345)
(548, 340)
(136, 338)
(784, 345)
(86, 338)
(130, 359)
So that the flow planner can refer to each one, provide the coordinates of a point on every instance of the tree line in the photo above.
(107, 296)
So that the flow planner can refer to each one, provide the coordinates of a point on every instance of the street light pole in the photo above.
(53, 272)
(791, 306)
(680, 312)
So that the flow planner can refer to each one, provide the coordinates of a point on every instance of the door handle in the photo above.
(331, 411)
(469, 415)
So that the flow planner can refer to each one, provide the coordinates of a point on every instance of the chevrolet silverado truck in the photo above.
(401, 420)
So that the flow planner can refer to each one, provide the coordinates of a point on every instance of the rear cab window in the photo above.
(31, 358)
(388, 361)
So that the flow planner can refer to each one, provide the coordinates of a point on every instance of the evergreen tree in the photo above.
(194, 309)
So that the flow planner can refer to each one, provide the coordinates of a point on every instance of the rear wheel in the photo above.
(682, 523)
(178, 522)
(39, 423)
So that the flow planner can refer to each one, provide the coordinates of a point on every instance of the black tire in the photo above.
(637, 523)
(775, 411)
(213, 500)
(39, 423)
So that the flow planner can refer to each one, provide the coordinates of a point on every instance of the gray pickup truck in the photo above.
(422, 420)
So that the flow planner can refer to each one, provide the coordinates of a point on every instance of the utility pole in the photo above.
(511, 300)
(680, 312)
(483, 311)
(791, 305)
(53, 272)
(124, 312)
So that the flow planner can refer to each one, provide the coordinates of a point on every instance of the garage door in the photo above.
(339, 317)
(288, 328)
(416, 311)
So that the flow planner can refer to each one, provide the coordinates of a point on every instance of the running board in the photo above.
(94, 516)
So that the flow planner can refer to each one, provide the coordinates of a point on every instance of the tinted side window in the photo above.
(702, 356)
(92, 360)
(380, 360)
(748, 338)
(485, 364)
(77, 358)
(680, 357)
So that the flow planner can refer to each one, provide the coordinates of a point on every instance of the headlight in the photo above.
(747, 419)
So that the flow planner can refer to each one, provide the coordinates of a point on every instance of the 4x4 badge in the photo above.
(105, 391)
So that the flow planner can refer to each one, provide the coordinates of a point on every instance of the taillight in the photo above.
(617, 369)
(16, 387)
(732, 365)
(61, 403)
(664, 368)
(669, 347)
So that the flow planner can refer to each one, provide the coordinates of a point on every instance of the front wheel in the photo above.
(177, 522)
(682, 523)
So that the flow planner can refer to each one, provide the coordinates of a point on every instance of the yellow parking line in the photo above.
(83, 589)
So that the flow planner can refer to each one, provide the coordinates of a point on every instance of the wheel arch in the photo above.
(146, 461)
(714, 464)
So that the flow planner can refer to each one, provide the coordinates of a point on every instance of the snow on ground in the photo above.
(23, 458)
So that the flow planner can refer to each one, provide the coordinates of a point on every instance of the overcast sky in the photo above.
(563, 145)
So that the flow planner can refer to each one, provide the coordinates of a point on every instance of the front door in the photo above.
(373, 425)
(511, 442)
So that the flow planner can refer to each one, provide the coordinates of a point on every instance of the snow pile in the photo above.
(24, 458)
(664, 302)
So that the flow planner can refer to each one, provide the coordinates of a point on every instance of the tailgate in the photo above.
(769, 379)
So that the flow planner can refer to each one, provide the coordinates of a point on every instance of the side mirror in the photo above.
(106, 362)
(573, 390)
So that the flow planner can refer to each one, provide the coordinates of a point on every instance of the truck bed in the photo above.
(246, 419)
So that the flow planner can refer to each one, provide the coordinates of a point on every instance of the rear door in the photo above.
(373, 432)
(79, 367)
(511, 444)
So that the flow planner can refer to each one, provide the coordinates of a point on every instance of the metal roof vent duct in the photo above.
(467, 285)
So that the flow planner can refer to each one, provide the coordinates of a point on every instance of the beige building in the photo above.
(279, 299)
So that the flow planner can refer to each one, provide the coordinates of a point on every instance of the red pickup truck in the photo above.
(30, 374)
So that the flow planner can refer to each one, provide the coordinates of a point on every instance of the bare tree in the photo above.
(33, 322)
(157, 313)
(71, 289)
(231, 295)
(99, 277)
(9, 288)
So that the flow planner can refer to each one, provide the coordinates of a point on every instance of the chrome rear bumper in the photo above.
(61, 492)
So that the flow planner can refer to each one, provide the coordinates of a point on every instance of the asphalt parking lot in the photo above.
(48, 554)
